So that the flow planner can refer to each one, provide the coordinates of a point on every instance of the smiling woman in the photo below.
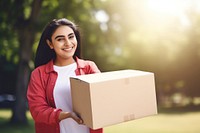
(49, 91)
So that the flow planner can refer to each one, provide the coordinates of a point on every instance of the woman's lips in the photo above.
(68, 49)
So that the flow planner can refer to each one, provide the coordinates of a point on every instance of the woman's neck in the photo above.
(65, 62)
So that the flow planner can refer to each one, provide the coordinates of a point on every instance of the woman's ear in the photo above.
(49, 44)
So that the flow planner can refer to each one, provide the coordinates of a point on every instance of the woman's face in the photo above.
(64, 44)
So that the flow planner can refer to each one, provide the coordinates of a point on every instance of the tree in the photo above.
(26, 34)
(20, 24)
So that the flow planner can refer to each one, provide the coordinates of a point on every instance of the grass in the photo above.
(5, 127)
(162, 123)
(174, 122)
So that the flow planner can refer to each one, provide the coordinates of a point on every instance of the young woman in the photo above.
(49, 97)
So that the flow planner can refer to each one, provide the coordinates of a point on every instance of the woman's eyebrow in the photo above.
(59, 36)
(71, 34)
(63, 35)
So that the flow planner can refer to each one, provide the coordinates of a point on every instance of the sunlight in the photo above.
(176, 8)
(103, 18)
(172, 7)
(162, 22)
(155, 25)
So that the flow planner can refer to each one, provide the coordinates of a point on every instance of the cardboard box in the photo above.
(110, 98)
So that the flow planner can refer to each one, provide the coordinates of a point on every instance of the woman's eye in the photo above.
(60, 39)
(71, 37)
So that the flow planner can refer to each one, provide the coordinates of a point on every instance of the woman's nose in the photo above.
(67, 42)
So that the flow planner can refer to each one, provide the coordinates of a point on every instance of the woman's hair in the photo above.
(44, 54)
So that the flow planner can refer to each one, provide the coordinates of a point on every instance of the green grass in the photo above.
(161, 123)
(176, 122)
(6, 127)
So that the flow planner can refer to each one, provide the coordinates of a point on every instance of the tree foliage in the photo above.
(166, 44)
(22, 22)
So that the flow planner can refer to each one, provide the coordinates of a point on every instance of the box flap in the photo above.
(113, 75)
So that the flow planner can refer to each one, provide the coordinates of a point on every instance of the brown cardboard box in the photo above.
(110, 98)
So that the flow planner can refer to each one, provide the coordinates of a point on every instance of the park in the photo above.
(158, 36)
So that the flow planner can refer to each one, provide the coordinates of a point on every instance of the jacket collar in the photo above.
(80, 63)
(49, 65)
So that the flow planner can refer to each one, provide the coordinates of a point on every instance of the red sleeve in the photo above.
(39, 108)
(96, 131)
(93, 68)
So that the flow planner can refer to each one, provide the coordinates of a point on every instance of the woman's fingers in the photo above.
(76, 118)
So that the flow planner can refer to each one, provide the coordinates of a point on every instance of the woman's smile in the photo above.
(69, 49)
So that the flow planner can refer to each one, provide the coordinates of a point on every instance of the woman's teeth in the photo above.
(68, 49)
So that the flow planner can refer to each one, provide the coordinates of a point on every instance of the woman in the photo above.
(49, 97)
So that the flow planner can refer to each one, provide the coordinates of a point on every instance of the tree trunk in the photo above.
(26, 40)
(26, 35)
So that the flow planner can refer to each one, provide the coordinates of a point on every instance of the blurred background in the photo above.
(160, 36)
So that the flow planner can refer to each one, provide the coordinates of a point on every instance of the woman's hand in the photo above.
(65, 115)
(76, 118)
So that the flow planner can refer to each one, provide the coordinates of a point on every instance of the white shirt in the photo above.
(62, 96)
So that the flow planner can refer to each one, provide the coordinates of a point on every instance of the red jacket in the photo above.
(40, 95)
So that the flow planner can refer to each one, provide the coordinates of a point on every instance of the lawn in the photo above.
(162, 123)
(183, 122)
(7, 128)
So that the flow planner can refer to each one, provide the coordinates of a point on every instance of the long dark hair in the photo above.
(44, 54)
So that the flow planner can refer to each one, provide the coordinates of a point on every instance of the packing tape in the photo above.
(129, 117)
